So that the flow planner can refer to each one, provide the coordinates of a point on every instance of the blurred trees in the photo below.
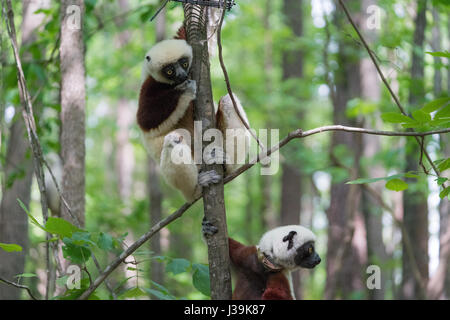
(293, 64)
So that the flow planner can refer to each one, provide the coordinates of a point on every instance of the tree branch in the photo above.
(297, 134)
(18, 286)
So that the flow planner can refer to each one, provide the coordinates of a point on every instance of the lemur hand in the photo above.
(189, 86)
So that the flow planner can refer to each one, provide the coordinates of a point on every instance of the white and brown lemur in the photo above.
(264, 272)
(165, 115)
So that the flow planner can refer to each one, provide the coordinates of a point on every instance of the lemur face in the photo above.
(306, 256)
(290, 247)
(168, 62)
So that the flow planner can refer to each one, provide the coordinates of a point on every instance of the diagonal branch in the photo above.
(297, 134)
(20, 286)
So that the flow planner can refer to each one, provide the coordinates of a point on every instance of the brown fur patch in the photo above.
(181, 33)
(253, 281)
(157, 101)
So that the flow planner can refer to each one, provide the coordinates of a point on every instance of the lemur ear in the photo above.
(148, 58)
(289, 238)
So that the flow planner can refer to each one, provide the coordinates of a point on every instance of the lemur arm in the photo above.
(237, 141)
(240, 254)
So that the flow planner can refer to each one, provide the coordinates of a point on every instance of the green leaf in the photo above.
(394, 117)
(33, 219)
(396, 185)
(444, 113)
(435, 104)
(442, 54)
(78, 254)
(177, 266)
(105, 242)
(200, 279)
(160, 295)
(10, 247)
(444, 165)
(60, 227)
(421, 116)
(441, 180)
(444, 193)
(26, 275)
(133, 293)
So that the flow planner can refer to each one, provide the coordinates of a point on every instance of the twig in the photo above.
(20, 286)
(297, 134)
(383, 78)
(227, 80)
(30, 125)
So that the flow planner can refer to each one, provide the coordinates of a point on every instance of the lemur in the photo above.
(264, 272)
(165, 112)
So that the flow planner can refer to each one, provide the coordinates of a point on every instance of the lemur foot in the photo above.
(208, 229)
(206, 178)
(188, 86)
(172, 139)
(217, 155)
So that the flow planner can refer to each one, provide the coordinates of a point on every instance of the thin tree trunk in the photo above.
(415, 215)
(268, 213)
(13, 220)
(370, 90)
(125, 117)
(291, 181)
(213, 196)
(73, 104)
(439, 282)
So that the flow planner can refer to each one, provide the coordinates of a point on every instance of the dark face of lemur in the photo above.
(177, 72)
(306, 256)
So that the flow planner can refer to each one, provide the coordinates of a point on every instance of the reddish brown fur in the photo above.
(181, 33)
(253, 281)
(157, 101)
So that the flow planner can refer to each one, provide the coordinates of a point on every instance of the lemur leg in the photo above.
(177, 165)
(237, 137)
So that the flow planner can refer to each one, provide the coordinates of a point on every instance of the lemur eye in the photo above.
(310, 250)
(185, 65)
(169, 72)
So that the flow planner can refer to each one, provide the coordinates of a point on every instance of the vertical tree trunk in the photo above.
(291, 181)
(370, 90)
(125, 117)
(346, 231)
(13, 220)
(268, 213)
(415, 215)
(154, 184)
(73, 103)
(213, 196)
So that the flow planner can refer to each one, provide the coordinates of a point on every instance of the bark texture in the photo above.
(73, 104)
(415, 214)
(13, 220)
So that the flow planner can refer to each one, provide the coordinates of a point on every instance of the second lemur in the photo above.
(166, 113)
(263, 272)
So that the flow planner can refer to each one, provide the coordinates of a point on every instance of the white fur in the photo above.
(232, 121)
(162, 53)
(182, 176)
(273, 246)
